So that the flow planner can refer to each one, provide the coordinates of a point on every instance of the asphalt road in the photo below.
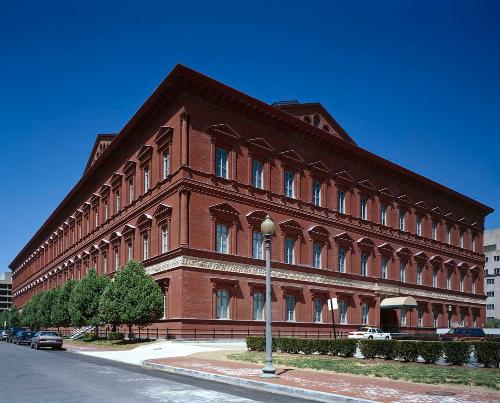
(59, 376)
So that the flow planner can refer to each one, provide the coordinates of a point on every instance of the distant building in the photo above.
(5, 291)
(492, 273)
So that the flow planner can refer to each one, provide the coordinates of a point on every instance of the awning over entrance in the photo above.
(398, 302)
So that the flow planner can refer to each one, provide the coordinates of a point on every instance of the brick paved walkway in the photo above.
(381, 390)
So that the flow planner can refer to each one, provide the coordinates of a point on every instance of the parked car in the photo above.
(46, 339)
(367, 332)
(23, 337)
(12, 332)
(464, 334)
(3, 335)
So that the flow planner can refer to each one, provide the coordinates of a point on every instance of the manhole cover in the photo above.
(440, 393)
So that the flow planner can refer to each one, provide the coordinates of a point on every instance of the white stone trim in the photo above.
(241, 268)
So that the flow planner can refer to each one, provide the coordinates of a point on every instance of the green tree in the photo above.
(84, 300)
(492, 323)
(132, 298)
(60, 310)
(46, 304)
(31, 312)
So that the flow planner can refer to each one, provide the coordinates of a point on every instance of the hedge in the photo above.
(378, 348)
(487, 353)
(116, 336)
(457, 352)
(430, 351)
(341, 347)
(407, 351)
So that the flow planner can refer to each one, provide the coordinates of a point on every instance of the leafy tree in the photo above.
(84, 300)
(60, 310)
(31, 312)
(46, 303)
(132, 298)
(12, 318)
(492, 323)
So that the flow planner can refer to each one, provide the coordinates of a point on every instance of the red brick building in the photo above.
(186, 183)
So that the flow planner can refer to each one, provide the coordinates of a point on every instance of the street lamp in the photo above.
(267, 229)
(449, 316)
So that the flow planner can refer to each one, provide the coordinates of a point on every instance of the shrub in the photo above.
(487, 353)
(430, 351)
(378, 348)
(407, 351)
(346, 347)
(421, 337)
(457, 353)
(89, 336)
(289, 345)
(116, 336)
(324, 347)
(255, 343)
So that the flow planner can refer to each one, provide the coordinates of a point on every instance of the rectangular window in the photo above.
(461, 239)
(448, 233)
(434, 277)
(258, 174)
(117, 258)
(448, 280)
(164, 239)
(363, 211)
(96, 218)
(341, 261)
(289, 250)
(257, 245)
(384, 265)
(342, 312)
(290, 308)
(402, 321)
(490, 294)
(364, 264)
(402, 272)
(418, 227)
(221, 163)
(420, 321)
(435, 317)
(419, 275)
(473, 290)
(489, 281)
(341, 201)
(147, 184)
(364, 313)
(222, 238)
(473, 243)
(289, 184)
(318, 310)
(462, 282)
(383, 214)
(130, 251)
(131, 190)
(434, 230)
(117, 201)
(222, 304)
(316, 193)
(401, 219)
(145, 247)
(104, 263)
(258, 306)
(166, 164)
(316, 255)
(106, 212)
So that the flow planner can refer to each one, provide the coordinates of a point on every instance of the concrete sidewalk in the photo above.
(322, 386)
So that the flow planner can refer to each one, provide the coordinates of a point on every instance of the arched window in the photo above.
(316, 120)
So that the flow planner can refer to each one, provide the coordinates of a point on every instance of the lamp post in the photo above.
(267, 229)
(449, 316)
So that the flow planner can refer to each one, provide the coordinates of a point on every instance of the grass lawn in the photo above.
(418, 373)
(108, 344)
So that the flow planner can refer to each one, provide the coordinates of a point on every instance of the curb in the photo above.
(262, 386)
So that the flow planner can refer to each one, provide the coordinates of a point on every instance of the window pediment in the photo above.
(116, 180)
(365, 243)
(450, 263)
(115, 237)
(319, 232)
(224, 133)
(387, 193)
(145, 153)
(404, 253)
(291, 227)
(437, 211)
(386, 249)
(224, 211)
(129, 168)
(421, 256)
(367, 187)
(291, 157)
(463, 265)
(86, 207)
(104, 190)
(128, 231)
(103, 244)
(436, 260)
(256, 217)
(163, 137)
(144, 222)
(451, 216)
(343, 239)
(421, 206)
(162, 212)
(404, 200)
(94, 199)
(320, 168)
(343, 178)
(260, 145)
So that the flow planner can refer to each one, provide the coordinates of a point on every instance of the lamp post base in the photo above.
(268, 371)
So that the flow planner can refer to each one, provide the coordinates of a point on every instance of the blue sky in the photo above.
(417, 83)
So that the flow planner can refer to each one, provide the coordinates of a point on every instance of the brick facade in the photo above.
(187, 182)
